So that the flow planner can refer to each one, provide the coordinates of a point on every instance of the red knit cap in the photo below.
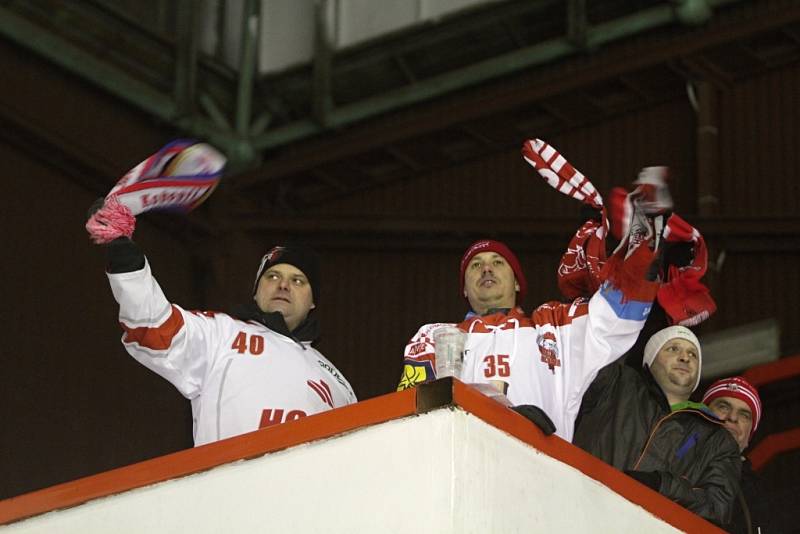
(738, 388)
(488, 245)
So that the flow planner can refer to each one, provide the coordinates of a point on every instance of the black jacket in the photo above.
(751, 510)
(686, 455)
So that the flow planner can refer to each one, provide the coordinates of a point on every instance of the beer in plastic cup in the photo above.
(449, 342)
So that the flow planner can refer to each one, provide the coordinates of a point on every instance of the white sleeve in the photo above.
(616, 314)
(419, 357)
(176, 344)
(581, 339)
(612, 325)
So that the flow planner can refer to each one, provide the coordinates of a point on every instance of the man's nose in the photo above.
(487, 267)
(283, 283)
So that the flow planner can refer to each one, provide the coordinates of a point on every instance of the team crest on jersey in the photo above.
(548, 348)
(415, 372)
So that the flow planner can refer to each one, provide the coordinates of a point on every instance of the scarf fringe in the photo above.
(112, 221)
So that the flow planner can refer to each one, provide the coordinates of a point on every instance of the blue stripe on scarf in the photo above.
(624, 309)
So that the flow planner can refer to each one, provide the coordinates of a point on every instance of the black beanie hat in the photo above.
(300, 256)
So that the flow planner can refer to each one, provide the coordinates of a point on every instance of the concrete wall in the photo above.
(444, 471)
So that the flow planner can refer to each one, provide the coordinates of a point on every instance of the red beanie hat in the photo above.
(488, 245)
(738, 388)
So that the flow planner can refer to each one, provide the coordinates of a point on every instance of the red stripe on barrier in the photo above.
(773, 445)
(774, 371)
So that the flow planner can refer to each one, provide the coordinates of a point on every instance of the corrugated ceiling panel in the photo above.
(610, 153)
(760, 140)
(613, 152)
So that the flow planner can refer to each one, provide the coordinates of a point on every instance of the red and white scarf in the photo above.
(580, 269)
(583, 266)
(179, 177)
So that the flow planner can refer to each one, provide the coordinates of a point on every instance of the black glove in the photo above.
(124, 256)
(589, 213)
(651, 479)
(536, 415)
(679, 254)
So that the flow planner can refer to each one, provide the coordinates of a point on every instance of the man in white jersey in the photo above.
(244, 371)
(547, 359)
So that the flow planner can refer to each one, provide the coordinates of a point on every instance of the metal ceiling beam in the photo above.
(707, 148)
(322, 64)
(426, 36)
(117, 82)
(185, 57)
(531, 56)
(247, 66)
(504, 97)
(219, 29)
(241, 147)
(72, 58)
(577, 22)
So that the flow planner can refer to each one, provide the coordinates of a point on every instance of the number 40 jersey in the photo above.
(240, 376)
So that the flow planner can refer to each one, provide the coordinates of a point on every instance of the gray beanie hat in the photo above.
(660, 338)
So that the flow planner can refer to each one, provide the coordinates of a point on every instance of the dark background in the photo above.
(73, 403)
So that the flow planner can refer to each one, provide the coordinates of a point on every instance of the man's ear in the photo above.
(516, 286)
(465, 293)
(312, 306)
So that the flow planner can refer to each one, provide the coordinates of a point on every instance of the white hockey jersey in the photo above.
(548, 359)
(240, 376)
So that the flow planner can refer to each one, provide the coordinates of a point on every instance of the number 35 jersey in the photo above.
(240, 376)
(547, 359)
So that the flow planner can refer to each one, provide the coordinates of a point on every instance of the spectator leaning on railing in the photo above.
(642, 422)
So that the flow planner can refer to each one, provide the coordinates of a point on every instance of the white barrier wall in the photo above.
(439, 472)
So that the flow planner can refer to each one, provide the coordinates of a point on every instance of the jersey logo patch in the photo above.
(548, 348)
(322, 389)
(414, 373)
(417, 348)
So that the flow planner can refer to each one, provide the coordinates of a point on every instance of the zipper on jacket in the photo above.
(655, 429)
